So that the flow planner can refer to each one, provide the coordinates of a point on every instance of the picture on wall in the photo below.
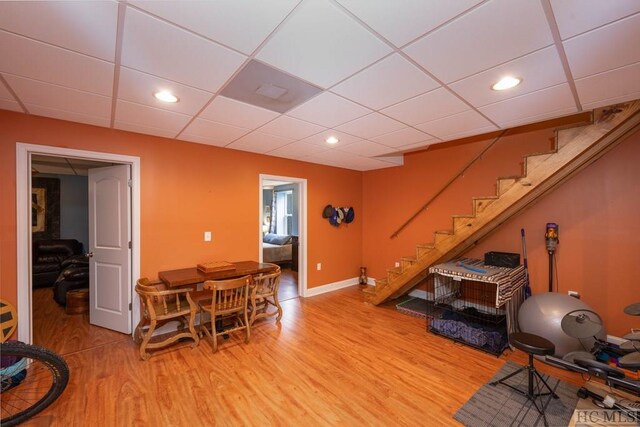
(38, 209)
(45, 208)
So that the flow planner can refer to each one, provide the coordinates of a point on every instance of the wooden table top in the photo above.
(192, 276)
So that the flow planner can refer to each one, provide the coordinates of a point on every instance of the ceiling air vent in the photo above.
(263, 86)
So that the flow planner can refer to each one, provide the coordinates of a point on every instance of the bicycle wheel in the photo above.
(31, 380)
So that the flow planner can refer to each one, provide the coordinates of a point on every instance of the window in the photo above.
(284, 212)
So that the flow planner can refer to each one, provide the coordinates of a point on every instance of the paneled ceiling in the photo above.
(394, 76)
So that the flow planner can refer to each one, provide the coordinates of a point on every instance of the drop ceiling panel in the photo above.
(322, 45)
(40, 61)
(537, 70)
(161, 49)
(297, 150)
(465, 46)
(139, 87)
(430, 106)
(146, 130)
(258, 142)
(417, 16)
(241, 25)
(236, 113)
(552, 102)
(149, 117)
(67, 115)
(212, 133)
(371, 125)
(417, 146)
(328, 110)
(578, 16)
(403, 137)
(609, 87)
(288, 127)
(371, 87)
(87, 27)
(8, 104)
(4, 92)
(366, 149)
(457, 126)
(60, 98)
(347, 160)
(606, 48)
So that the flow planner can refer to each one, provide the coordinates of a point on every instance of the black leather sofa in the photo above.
(48, 256)
(74, 275)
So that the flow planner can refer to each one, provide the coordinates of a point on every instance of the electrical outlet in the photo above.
(207, 236)
(397, 264)
(574, 294)
(319, 266)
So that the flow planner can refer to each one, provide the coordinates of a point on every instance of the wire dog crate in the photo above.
(465, 303)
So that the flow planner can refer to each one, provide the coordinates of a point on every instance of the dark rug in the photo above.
(500, 406)
(414, 307)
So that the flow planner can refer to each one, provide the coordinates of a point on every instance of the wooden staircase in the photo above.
(576, 148)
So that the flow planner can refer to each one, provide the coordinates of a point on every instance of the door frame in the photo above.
(301, 183)
(23, 230)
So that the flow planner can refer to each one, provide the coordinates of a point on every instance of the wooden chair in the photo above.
(264, 294)
(228, 302)
(159, 306)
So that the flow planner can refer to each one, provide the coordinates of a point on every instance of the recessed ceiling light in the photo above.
(506, 83)
(165, 96)
(332, 140)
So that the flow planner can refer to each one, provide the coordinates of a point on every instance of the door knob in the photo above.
(89, 255)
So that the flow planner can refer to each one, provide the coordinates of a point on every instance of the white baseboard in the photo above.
(330, 287)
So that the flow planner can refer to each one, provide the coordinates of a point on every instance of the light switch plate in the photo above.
(207, 236)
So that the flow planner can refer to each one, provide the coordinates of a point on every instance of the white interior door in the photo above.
(109, 249)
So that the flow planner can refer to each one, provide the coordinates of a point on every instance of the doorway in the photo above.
(24, 153)
(282, 212)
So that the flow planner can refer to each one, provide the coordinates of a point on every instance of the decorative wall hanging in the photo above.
(337, 216)
(45, 208)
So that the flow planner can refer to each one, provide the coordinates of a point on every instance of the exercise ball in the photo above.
(542, 315)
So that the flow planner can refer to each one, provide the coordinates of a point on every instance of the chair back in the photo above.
(229, 296)
(159, 301)
(267, 284)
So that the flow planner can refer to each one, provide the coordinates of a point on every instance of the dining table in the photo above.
(191, 276)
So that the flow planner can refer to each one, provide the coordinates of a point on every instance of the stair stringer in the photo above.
(585, 145)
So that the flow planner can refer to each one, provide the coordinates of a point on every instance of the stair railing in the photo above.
(448, 184)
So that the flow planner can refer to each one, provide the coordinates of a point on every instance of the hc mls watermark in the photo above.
(609, 417)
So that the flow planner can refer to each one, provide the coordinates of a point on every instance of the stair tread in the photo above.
(426, 245)
(516, 177)
(485, 198)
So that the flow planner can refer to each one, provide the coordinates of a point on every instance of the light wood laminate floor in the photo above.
(333, 360)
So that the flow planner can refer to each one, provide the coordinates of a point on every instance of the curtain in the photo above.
(272, 222)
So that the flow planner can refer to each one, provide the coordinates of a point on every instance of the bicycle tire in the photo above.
(43, 379)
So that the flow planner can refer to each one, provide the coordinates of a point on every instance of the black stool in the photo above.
(532, 345)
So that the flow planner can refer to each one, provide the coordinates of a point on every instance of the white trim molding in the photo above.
(330, 287)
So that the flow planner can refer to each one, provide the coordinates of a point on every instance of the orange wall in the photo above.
(597, 211)
(189, 188)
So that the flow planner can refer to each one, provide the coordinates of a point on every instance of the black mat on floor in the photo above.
(414, 307)
(500, 406)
